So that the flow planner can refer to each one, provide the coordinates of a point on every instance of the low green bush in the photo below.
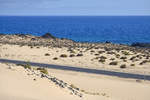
(43, 70)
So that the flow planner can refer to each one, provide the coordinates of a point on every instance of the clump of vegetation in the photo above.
(31, 47)
(112, 59)
(132, 58)
(143, 62)
(107, 49)
(123, 66)
(125, 53)
(111, 52)
(26, 66)
(96, 48)
(103, 57)
(72, 55)
(117, 55)
(63, 55)
(82, 90)
(73, 86)
(47, 54)
(79, 54)
(96, 54)
(43, 70)
(123, 58)
(96, 58)
(147, 57)
(72, 51)
(113, 63)
(92, 51)
(102, 60)
(132, 65)
(55, 58)
(100, 52)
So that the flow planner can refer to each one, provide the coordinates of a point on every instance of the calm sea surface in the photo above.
(117, 29)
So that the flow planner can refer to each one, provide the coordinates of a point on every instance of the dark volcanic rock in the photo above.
(107, 42)
(48, 35)
(145, 45)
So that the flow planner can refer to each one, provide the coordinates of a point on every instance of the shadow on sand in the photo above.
(77, 69)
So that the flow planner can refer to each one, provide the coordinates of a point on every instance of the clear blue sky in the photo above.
(74, 7)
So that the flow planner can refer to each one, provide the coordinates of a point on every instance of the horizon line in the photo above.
(75, 15)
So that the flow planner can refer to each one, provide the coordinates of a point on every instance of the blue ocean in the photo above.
(116, 29)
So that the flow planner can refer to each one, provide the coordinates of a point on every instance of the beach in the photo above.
(92, 71)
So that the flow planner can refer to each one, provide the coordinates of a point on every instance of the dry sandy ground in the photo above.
(90, 58)
(15, 84)
(114, 88)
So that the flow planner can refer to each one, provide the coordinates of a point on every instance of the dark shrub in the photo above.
(42, 70)
(132, 65)
(125, 53)
(47, 54)
(123, 66)
(112, 59)
(110, 52)
(107, 49)
(132, 58)
(92, 51)
(96, 54)
(113, 63)
(123, 58)
(143, 62)
(26, 66)
(79, 54)
(72, 55)
(101, 52)
(102, 60)
(103, 57)
(63, 55)
(117, 55)
(55, 58)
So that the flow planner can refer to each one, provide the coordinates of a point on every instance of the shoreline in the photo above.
(103, 42)
(50, 40)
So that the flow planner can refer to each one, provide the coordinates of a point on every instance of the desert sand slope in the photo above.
(15, 84)
(113, 87)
